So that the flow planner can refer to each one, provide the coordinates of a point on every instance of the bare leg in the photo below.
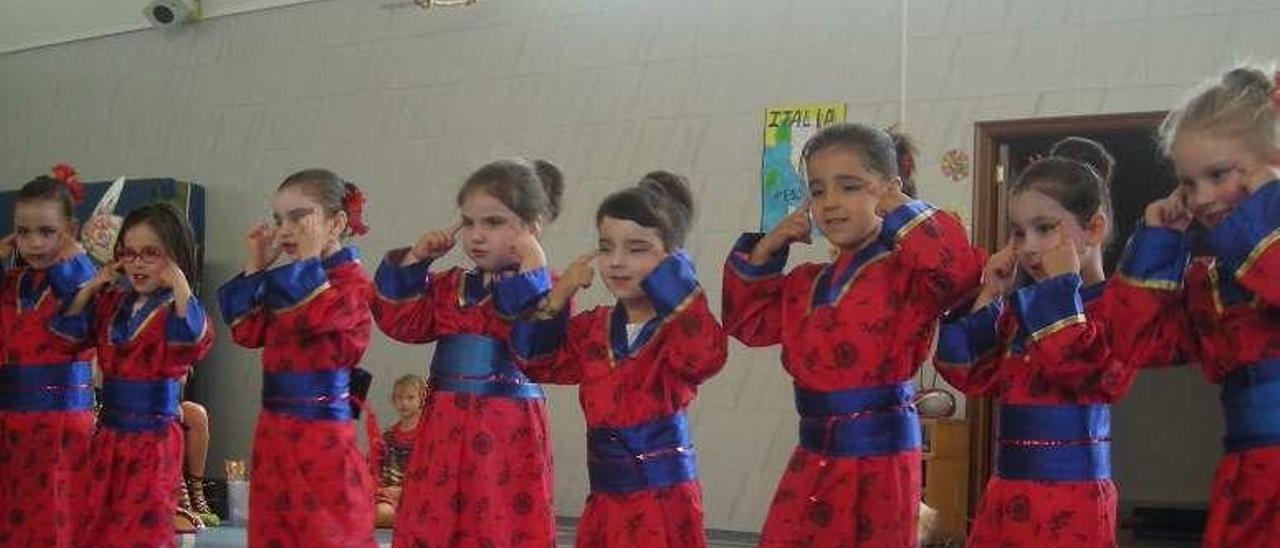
(196, 418)
(386, 515)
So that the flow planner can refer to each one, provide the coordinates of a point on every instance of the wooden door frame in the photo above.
(988, 217)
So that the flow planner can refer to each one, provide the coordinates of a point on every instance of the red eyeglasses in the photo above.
(148, 255)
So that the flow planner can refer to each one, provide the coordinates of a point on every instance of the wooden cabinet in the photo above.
(946, 474)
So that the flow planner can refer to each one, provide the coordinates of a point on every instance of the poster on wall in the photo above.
(786, 129)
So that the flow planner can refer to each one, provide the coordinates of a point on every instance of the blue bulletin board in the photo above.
(188, 197)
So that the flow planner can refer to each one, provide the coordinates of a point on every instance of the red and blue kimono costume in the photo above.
(310, 484)
(853, 333)
(1224, 312)
(480, 473)
(46, 400)
(135, 457)
(1047, 356)
(644, 489)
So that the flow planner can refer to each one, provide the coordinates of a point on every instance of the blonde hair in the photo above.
(409, 381)
(1236, 105)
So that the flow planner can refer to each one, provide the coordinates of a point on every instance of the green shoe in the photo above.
(199, 505)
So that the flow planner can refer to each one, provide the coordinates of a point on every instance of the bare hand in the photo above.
(528, 251)
(311, 237)
(795, 227)
(1169, 212)
(434, 244)
(998, 276)
(1063, 259)
(580, 272)
(6, 246)
(261, 246)
(105, 276)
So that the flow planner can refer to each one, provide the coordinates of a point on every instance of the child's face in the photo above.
(843, 193)
(43, 233)
(407, 401)
(489, 231)
(300, 217)
(144, 258)
(628, 253)
(1038, 223)
(1214, 171)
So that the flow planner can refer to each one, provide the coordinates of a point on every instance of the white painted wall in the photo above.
(28, 24)
(406, 103)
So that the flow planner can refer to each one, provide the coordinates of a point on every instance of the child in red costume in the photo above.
(1222, 311)
(638, 365)
(147, 335)
(853, 333)
(45, 379)
(1046, 352)
(311, 486)
(480, 473)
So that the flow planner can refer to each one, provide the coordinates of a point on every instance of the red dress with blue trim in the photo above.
(480, 473)
(1223, 312)
(853, 333)
(46, 400)
(310, 486)
(644, 487)
(1047, 355)
(136, 455)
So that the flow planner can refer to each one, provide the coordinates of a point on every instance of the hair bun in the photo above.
(672, 187)
(1087, 152)
(1244, 80)
(552, 182)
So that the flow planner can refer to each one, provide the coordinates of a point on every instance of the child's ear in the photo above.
(339, 225)
(891, 184)
(1096, 229)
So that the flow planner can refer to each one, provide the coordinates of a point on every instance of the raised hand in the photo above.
(433, 244)
(1169, 212)
(795, 227)
(261, 247)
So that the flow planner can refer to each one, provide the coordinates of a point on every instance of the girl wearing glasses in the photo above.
(311, 486)
(147, 333)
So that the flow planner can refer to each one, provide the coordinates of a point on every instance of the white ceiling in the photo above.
(33, 23)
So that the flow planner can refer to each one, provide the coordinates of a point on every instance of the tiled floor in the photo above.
(234, 537)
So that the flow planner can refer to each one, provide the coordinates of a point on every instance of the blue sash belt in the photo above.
(1055, 442)
(859, 422)
(648, 455)
(1251, 404)
(314, 395)
(55, 387)
(137, 405)
(475, 364)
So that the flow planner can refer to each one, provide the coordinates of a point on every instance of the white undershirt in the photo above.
(633, 332)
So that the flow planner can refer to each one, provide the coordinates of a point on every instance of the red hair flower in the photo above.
(353, 204)
(906, 163)
(67, 174)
